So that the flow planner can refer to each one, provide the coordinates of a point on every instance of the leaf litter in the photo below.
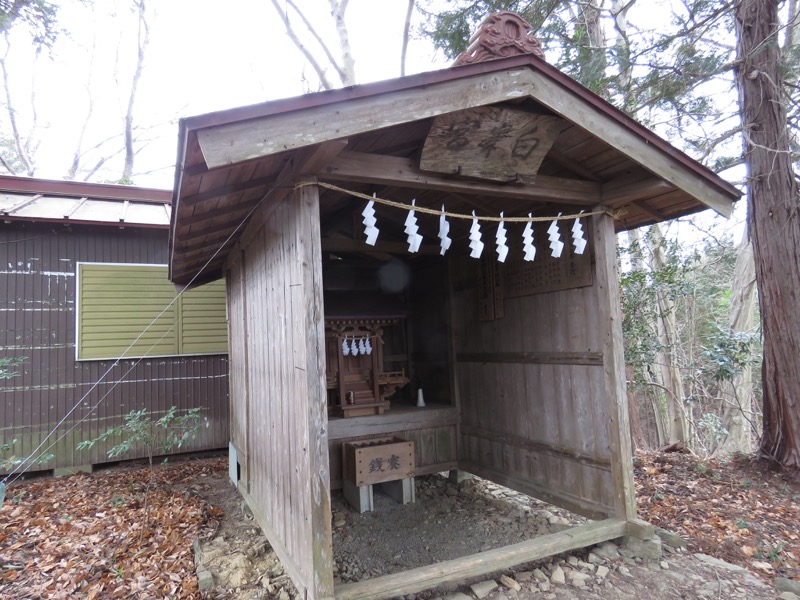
(119, 534)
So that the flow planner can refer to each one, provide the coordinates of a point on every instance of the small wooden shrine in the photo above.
(465, 216)
(357, 383)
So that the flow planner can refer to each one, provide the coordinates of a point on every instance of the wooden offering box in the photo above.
(375, 461)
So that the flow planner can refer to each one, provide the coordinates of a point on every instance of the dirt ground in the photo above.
(101, 536)
(448, 521)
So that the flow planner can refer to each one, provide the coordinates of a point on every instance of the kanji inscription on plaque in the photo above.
(501, 144)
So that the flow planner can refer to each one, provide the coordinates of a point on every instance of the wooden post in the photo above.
(616, 402)
(308, 236)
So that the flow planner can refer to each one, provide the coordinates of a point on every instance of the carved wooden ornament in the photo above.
(500, 144)
(500, 35)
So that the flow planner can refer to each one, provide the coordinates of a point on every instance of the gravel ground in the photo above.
(448, 521)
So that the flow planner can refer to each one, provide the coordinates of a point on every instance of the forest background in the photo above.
(92, 91)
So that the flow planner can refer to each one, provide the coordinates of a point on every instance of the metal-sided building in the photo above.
(83, 274)
(521, 361)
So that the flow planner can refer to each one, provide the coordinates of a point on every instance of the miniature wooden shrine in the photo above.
(356, 381)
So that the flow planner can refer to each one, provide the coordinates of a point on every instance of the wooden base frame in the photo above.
(415, 580)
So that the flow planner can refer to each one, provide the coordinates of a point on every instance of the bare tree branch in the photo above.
(143, 39)
(20, 147)
(319, 39)
(326, 83)
(406, 33)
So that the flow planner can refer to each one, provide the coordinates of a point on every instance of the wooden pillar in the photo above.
(319, 467)
(616, 402)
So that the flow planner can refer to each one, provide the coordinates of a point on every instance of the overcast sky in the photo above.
(200, 59)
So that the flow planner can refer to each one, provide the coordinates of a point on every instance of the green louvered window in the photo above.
(116, 303)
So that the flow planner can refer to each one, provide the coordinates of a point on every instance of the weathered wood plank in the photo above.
(246, 140)
(629, 142)
(458, 569)
(340, 244)
(316, 392)
(534, 358)
(392, 421)
(563, 452)
(554, 494)
(403, 172)
(499, 143)
(616, 403)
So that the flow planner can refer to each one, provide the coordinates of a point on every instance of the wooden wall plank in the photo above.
(288, 483)
(528, 387)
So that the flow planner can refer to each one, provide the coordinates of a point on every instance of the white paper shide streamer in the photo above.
(577, 236)
(444, 230)
(369, 222)
(345, 347)
(500, 240)
(354, 347)
(411, 229)
(368, 346)
(475, 242)
(554, 235)
(527, 241)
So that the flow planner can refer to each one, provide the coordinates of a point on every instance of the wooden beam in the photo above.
(224, 190)
(230, 211)
(571, 165)
(306, 162)
(244, 140)
(515, 441)
(415, 580)
(615, 195)
(392, 421)
(339, 244)
(403, 172)
(651, 212)
(533, 358)
(594, 120)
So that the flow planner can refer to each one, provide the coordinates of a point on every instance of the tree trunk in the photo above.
(737, 395)
(348, 67)
(143, 39)
(666, 365)
(654, 392)
(774, 222)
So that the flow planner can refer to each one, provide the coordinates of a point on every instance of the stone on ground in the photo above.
(510, 583)
(782, 584)
(558, 576)
(482, 589)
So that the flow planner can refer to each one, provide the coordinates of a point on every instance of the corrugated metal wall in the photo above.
(37, 320)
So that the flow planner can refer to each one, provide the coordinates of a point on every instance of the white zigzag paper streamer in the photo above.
(500, 240)
(527, 241)
(368, 346)
(577, 236)
(554, 235)
(361, 347)
(369, 222)
(475, 238)
(411, 229)
(354, 347)
(345, 347)
(444, 229)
